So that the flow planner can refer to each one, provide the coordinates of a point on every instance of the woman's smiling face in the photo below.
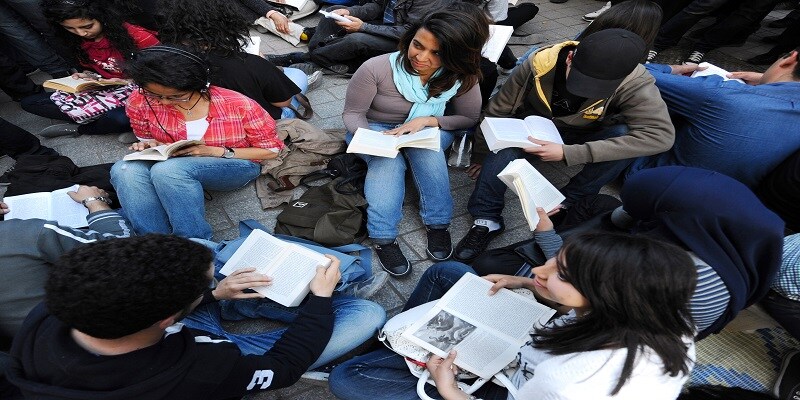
(424, 53)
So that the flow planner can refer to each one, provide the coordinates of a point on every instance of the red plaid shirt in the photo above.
(234, 120)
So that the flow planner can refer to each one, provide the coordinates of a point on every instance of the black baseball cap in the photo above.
(602, 60)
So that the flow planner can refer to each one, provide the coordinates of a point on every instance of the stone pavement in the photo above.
(554, 23)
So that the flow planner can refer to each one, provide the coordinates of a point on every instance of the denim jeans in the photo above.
(384, 371)
(167, 196)
(487, 199)
(114, 121)
(355, 321)
(301, 80)
(676, 27)
(385, 186)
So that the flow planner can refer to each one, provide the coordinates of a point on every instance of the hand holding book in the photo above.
(235, 284)
(546, 151)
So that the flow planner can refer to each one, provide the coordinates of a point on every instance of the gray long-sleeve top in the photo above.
(373, 96)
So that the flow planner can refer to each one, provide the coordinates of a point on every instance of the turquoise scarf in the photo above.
(412, 89)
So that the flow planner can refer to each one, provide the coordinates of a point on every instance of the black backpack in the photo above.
(351, 170)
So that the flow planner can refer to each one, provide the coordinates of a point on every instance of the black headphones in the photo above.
(194, 57)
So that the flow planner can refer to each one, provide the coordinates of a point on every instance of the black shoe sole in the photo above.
(432, 257)
(407, 271)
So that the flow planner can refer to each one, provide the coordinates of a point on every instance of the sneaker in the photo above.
(475, 242)
(787, 387)
(314, 79)
(308, 68)
(319, 376)
(368, 287)
(392, 259)
(127, 138)
(696, 57)
(337, 69)
(651, 55)
(592, 15)
(67, 129)
(285, 60)
(440, 246)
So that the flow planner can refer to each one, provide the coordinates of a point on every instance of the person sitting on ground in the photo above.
(176, 101)
(276, 22)
(743, 131)
(372, 29)
(605, 105)
(210, 27)
(602, 349)
(735, 267)
(101, 41)
(404, 92)
(110, 327)
(676, 27)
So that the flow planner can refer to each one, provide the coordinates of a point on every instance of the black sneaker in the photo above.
(285, 60)
(475, 242)
(440, 246)
(787, 387)
(392, 259)
(696, 57)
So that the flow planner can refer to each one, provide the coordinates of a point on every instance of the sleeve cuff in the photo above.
(318, 305)
(575, 154)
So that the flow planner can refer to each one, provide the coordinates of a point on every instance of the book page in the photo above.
(366, 141)
(333, 16)
(54, 206)
(501, 133)
(253, 46)
(711, 69)
(533, 189)
(158, 153)
(485, 330)
(428, 138)
(65, 82)
(290, 266)
(28, 206)
(543, 129)
(498, 37)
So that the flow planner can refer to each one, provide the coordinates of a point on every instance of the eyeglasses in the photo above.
(182, 98)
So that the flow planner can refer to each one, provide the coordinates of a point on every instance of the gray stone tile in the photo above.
(328, 110)
(321, 96)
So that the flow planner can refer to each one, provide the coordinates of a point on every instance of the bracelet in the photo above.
(104, 199)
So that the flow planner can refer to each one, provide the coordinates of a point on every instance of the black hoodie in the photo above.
(49, 364)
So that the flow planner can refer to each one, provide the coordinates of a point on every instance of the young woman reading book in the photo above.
(402, 93)
(176, 101)
(101, 41)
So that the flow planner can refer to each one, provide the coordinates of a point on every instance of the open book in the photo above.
(291, 266)
(501, 133)
(498, 37)
(375, 143)
(52, 206)
(711, 69)
(333, 16)
(533, 189)
(161, 153)
(486, 331)
(68, 84)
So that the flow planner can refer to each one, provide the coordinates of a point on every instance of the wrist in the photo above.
(270, 13)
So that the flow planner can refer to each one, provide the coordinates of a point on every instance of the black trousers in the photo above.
(331, 45)
(15, 142)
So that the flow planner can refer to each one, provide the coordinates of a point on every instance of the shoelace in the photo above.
(695, 57)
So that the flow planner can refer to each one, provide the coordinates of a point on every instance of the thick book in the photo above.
(376, 143)
(532, 188)
(71, 85)
(711, 69)
(498, 38)
(501, 133)
(291, 266)
(52, 206)
(162, 152)
(486, 331)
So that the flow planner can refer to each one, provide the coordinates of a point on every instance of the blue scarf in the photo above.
(412, 89)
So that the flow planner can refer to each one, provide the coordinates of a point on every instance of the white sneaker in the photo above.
(592, 15)
(314, 80)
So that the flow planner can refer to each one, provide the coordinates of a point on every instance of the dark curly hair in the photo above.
(57, 11)
(461, 30)
(118, 287)
(204, 26)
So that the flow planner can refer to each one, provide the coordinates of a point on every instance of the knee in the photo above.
(340, 380)
(166, 171)
(450, 270)
(119, 117)
(127, 172)
(297, 76)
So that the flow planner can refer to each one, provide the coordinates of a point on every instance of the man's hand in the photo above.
(750, 78)
(233, 286)
(413, 126)
(200, 150)
(508, 282)
(281, 22)
(84, 192)
(353, 26)
(547, 151)
(4, 208)
(326, 278)
(685, 69)
(341, 11)
(473, 171)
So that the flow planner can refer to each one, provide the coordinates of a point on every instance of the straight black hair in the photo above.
(171, 66)
(638, 291)
(642, 17)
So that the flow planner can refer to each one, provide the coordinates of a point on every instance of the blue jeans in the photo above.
(487, 201)
(167, 196)
(384, 371)
(385, 187)
(301, 80)
(355, 321)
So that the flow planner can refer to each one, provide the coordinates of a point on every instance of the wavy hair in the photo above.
(642, 17)
(204, 26)
(57, 11)
(461, 30)
(638, 291)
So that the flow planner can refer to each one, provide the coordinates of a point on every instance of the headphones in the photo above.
(186, 54)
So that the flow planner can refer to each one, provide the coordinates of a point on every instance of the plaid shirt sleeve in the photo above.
(787, 283)
(137, 113)
(260, 128)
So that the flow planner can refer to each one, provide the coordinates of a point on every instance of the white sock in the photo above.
(493, 226)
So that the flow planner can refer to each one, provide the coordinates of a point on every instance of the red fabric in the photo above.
(106, 59)
(234, 121)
